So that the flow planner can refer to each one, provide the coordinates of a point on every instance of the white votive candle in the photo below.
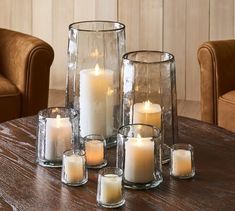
(74, 168)
(110, 189)
(147, 113)
(181, 162)
(139, 160)
(96, 104)
(58, 137)
(94, 152)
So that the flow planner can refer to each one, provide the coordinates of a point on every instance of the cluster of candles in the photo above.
(99, 119)
(74, 173)
(136, 169)
(75, 162)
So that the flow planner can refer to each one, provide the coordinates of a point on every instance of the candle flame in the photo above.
(55, 110)
(110, 91)
(95, 53)
(147, 105)
(97, 69)
(58, 121)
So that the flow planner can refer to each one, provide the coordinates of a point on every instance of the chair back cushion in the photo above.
(10, 100)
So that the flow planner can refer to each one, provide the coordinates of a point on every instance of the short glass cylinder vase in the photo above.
(148, 94)
(110, 192)
(57, 131)
(139, 156)
(95, 50)
(74, 171)
(95, 148)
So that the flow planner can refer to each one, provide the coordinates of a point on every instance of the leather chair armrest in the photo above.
(25, 60)
(217, 70)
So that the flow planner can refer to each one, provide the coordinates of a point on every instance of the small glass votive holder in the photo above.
(110, 190)
(74, 171)
(57, 131)
(182, 161)
(95, 148)
(139, 156)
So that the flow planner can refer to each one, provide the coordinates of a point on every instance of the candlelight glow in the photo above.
(95, 53)
(110, 91)
(58, 121)
(97, 69)
(147, 105)
(138, 138)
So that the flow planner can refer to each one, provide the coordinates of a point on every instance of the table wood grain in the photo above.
(24, 185)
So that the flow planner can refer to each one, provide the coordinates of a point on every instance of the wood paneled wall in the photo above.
(177, 26)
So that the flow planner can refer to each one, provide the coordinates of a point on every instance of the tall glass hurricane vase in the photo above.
(95, 50)
(148, 93)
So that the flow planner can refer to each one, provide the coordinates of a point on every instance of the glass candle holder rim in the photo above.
(44, 113)
(126, 59)
(75, 26)
(101, 137)
(182, 146)
(135, 124)
(118, 171)
(98, 137)
(70, 152)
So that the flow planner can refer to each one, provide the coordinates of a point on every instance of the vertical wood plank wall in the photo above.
(174, 39)
(178, 27)
(197, 31)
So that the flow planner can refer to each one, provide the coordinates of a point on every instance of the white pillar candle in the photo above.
(94, 152)
(58, 137)
(109, 111)
(147, 113)
(139, 160)
(96, 107)
(181, 162)
(74, 166)
(110, 189)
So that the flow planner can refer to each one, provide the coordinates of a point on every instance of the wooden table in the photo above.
(25, 185)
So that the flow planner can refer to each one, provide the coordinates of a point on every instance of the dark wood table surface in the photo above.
(24, 185)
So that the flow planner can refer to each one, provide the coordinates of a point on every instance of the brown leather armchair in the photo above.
(217, 69)
(24, 74)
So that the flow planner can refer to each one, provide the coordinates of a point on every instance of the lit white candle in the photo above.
(147, 113)
(94, 152)
(96, 105)
(110, 189)
(74, 166)
(109, 111)
(58, 137)
(181, 162)
(139, 160)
